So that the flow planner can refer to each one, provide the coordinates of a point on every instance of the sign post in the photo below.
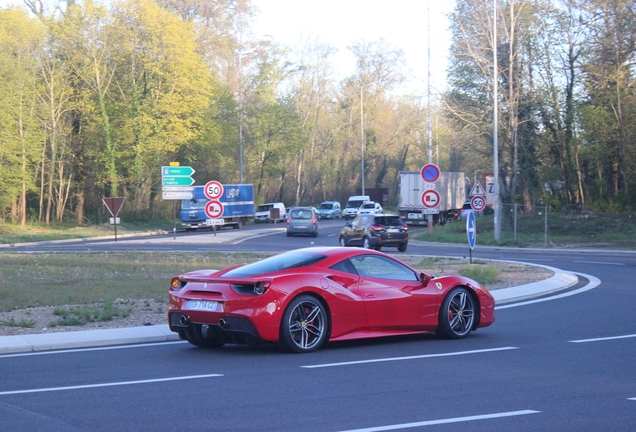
(430, 174)
(175, 182)
(113, 204)
(471, 232)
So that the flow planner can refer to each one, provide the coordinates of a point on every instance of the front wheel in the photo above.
(303, 328)
(456, 315)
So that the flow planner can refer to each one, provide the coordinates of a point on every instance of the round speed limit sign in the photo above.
(478, 202)
(213, 190)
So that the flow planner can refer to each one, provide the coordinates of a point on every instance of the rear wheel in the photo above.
(456, 315)
(365, 243)
(402, 248)
(303, 328)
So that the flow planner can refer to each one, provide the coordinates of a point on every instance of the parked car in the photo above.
(370, 207)
(329, 210)
(467, 208)
(305, 297)
(375, 231)
(264, 211)
(302, 220)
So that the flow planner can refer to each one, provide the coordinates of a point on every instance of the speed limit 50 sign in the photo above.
(213, 190)
(478, 202)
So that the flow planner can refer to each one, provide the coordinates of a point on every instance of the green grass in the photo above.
(11, 322)
(563, 231)
(10, 233)
(57, 279)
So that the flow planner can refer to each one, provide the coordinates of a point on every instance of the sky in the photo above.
(402, 23)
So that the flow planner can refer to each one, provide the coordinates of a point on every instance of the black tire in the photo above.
(289, 234)
(402, 248)
(315, 234)
(342, 241)
(194, 336)
(378, 248)
(365, 243)
(457, 314)
(304, 325)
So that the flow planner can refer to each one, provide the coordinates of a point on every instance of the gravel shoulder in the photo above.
(148, 312)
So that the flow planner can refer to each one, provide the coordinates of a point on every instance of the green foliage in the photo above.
(480, 273)
(11, 322)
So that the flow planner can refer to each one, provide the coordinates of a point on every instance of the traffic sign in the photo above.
(213, 190)
(177, 195)
(430, 173)
(177, 171)
(177, 189)
(477, 189)
(214, 221)
(478, 203)
(430, 198)
(214, 209)
(177, 181)
(114, 204)
(471, 230)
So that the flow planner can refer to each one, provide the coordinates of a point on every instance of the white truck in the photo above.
(453, 189)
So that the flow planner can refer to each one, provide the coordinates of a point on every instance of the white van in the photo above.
(262, 213)
(353, 204)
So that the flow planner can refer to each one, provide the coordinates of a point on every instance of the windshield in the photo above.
(368, 206)
(326, 206)
(195, 204)
(354, 204)
(264, 207)
(283, 261)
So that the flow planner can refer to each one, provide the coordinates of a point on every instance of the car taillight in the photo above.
(404, 228)
(314, 220)
(177, 284)
(377, 228)
(287, 220)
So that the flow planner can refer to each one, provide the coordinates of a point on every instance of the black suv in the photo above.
(375, 231)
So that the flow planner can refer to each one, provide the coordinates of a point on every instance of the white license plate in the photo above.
(393, 230)
(204, 305)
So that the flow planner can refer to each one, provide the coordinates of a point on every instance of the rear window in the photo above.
(288, 260)
(389, 220)
(301, 214)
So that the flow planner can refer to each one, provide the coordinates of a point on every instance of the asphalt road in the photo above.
(562, 364)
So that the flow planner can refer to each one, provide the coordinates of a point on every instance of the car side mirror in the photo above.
(425, 278)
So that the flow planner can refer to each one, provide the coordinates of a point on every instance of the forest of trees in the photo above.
(96, 97)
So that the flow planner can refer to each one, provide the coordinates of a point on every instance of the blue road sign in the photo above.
(430, 173)
(471, 229)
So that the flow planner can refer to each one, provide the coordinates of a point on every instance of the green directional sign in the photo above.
(177, 181)
(177, 171)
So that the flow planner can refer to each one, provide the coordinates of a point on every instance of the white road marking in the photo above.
(603, 338)
(594, 282)
(634, 398)
(445, 421)
(91, 349)
(51, 389)
(408, 358)
(598, 262)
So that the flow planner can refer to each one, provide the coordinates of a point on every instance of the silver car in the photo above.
(302, 220)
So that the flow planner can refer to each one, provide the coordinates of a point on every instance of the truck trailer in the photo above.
(238, 207)
(453, 189)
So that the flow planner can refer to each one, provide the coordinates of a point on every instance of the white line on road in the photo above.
(444, 421)
(598, 262)
(603, 338)
(50, 389)
(634, 399)
(408, 358)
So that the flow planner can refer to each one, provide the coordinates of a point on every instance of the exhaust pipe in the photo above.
(222, 323)
(183, 320)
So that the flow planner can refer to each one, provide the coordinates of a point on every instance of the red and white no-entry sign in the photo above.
(213, 190)
(214, 209)
(430, 199)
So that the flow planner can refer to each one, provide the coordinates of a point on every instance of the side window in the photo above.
(345, 266)
(382, 268)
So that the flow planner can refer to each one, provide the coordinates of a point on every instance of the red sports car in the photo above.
(305, 297)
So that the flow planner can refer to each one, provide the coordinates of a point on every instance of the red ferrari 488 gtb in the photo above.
(303, 298)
